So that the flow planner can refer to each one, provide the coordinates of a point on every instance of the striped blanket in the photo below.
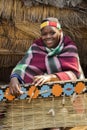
(62, 61)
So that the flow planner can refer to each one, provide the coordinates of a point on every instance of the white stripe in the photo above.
(71, 75)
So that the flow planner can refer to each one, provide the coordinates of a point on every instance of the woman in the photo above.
(53, 57)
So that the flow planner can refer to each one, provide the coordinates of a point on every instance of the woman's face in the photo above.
(50, 36)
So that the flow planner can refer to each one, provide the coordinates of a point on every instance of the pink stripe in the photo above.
(70, 46)
(39, 52)
(35, 69)
(69, 54)
(71, 75)
(29, 75)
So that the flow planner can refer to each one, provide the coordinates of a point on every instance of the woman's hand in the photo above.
(14, 86)
(41, 79)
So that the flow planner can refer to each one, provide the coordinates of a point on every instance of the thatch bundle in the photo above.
(19, 26)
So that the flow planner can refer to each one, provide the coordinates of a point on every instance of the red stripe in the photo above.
(53, 24)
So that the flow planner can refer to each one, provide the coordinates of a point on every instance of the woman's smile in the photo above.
(49, 41)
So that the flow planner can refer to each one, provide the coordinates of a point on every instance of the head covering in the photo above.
(51, 21)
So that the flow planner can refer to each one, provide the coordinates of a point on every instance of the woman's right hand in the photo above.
(14, 86)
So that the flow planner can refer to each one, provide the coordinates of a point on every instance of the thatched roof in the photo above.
(55, 3)
(12, 8)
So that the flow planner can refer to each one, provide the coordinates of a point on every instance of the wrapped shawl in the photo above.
(39, 60)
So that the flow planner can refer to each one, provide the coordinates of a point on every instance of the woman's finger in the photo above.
(15, 90)
(11, 90)
(39, 82)
(36, 79)
(19, 90)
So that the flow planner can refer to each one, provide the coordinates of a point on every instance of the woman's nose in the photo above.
(48, 36)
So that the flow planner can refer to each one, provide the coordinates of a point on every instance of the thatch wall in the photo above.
(19, 26)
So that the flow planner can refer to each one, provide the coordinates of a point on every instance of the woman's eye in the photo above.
(43, 34)
(52, 33)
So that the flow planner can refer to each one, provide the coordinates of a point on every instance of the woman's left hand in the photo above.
(41, 79)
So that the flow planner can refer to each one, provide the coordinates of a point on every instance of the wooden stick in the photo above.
(32, 95)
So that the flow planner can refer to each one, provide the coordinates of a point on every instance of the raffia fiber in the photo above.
(34, 115)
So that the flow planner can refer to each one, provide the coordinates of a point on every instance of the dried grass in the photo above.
(23, 115)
